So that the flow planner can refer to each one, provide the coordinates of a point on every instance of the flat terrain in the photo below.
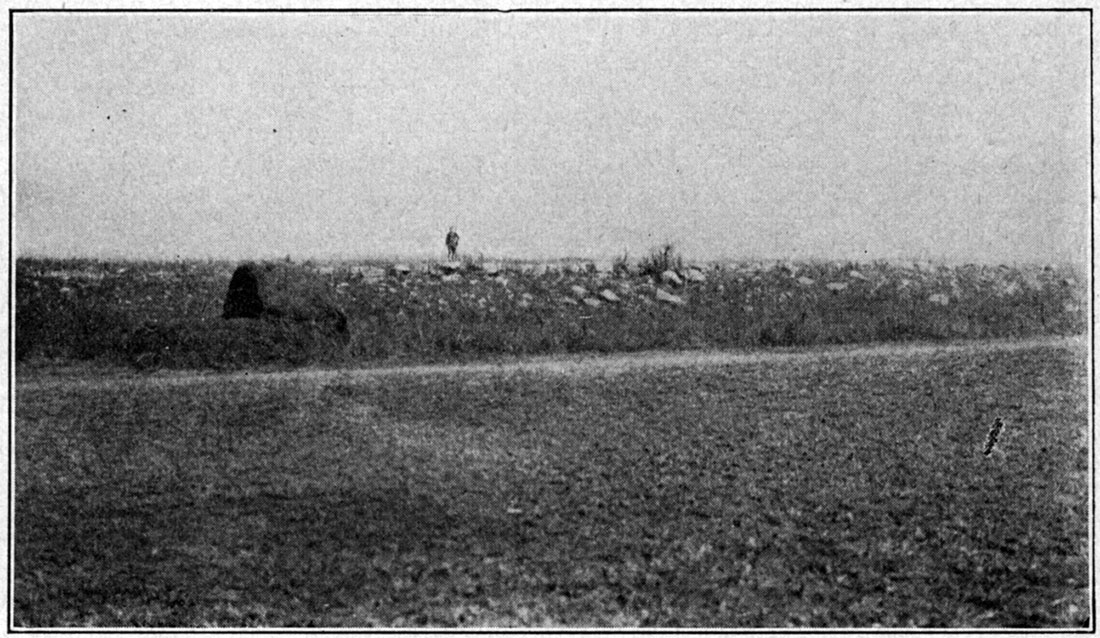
(819, 487)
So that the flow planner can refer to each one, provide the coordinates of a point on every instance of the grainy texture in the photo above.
(169, 315)
(839, 491)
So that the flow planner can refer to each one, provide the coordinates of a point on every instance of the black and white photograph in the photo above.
(550, 318)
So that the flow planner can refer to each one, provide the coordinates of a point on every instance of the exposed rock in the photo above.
(400, 269)
(369, 274)
(671, 278)
(569, 300)
(282, 291)
(855, 274)
(453, 277)
(578, 291)
(589, 301)
(669, 298)
(694, 275)
(449, 267)
(939, 298)
(836, 286)
(492, 269)
(805, 281)
(609, 296)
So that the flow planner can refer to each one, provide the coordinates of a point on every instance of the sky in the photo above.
(881, 135)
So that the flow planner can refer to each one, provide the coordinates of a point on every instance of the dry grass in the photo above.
(159, 315)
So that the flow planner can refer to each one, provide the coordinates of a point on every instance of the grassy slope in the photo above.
(168, 316)
(843, 493)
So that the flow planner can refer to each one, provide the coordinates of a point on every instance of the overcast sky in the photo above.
(769, 135)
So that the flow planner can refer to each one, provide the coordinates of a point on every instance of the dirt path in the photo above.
(577, 365)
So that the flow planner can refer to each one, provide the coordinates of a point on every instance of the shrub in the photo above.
(660, 260)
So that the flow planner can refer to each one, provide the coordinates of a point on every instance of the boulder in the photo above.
(671, 278)
(370, 274)
(669, 298)
(594, 303)
(578, 291)
(609, 296)
(283, 291)
(400, 270)
(805, 281)
(836, 286)
(694, 275)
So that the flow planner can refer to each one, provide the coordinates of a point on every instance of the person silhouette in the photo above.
(452, 243)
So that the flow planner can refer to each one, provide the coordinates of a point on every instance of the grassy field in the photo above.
(822, 491)
(168, 315)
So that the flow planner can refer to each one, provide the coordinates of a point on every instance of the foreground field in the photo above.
(835, 488)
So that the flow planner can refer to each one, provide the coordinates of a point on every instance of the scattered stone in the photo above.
(449, 267)
(855, 274)
(805, 281)
(669, 298)
(370, 274)
(836, 286)
(400, 269)
(671, 278)
(579, 291)
(939, 298)
(453, 277)
(492, 269)
(694, 275)
(609, 296)
(569, 300)
(594, 303)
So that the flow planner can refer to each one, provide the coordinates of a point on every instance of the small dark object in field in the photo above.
(994, 433)
(282, 291)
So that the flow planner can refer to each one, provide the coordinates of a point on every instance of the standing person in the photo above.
(452, 243)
